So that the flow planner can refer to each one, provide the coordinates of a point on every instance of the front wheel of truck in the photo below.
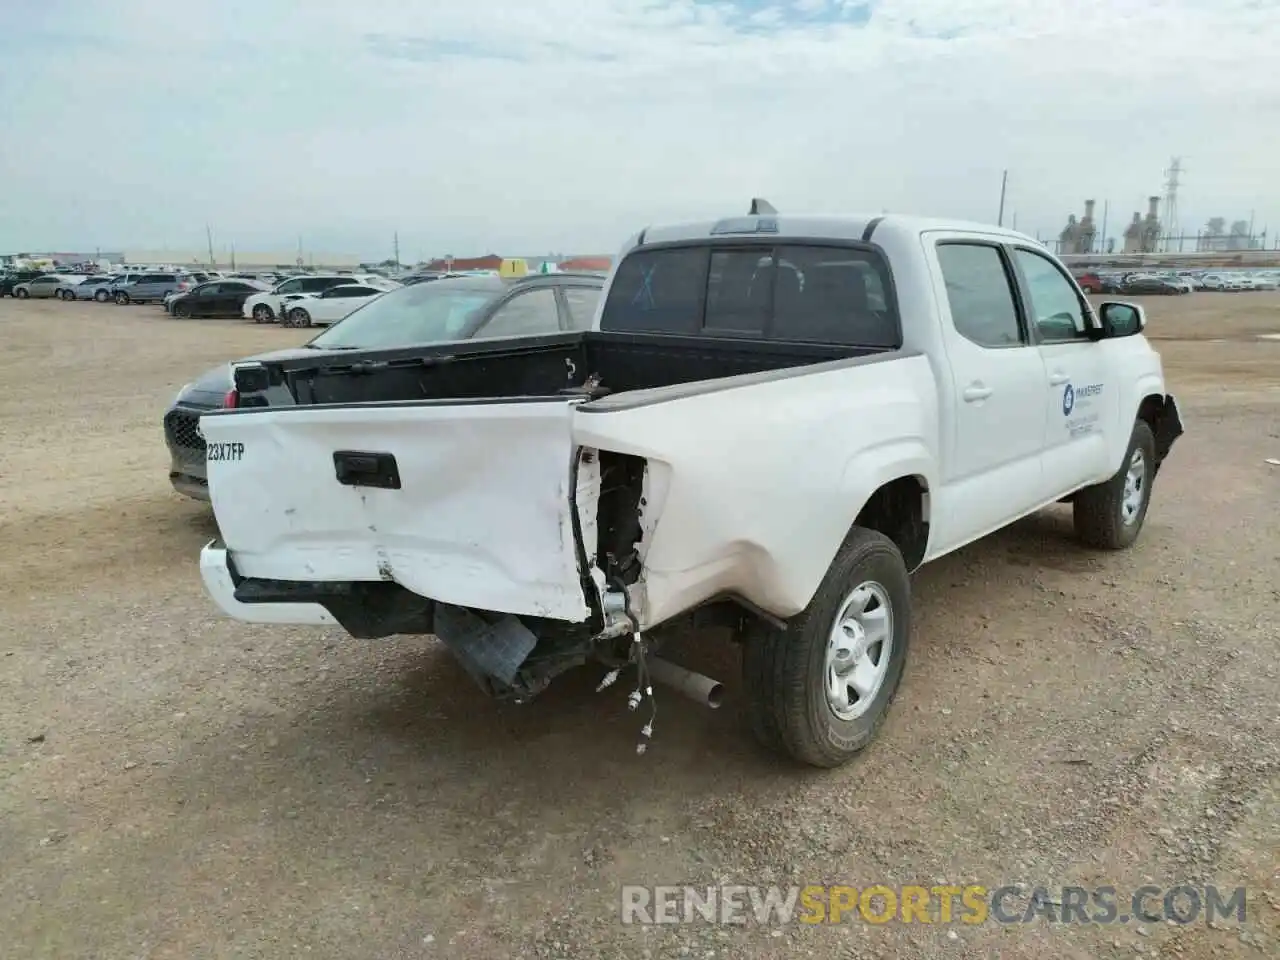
(819, 689)
(1109, 515)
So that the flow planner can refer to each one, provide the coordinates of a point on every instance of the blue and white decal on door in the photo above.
(1077, 406)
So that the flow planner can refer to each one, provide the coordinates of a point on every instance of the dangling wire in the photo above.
(644, 682)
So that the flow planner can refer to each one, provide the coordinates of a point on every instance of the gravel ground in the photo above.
(175, 784)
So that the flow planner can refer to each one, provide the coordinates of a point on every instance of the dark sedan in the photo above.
(217, 298)
(456, 308)
(1153, 285)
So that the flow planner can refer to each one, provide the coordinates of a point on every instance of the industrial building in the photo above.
(1143, 234)
(1216, 236)
(1078, 235)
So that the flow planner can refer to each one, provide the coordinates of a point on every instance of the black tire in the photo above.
(299, 318)
(182, 311)
(1101, 517)
(121, 298)
(785, 670)
(21, 294)
(263, 314)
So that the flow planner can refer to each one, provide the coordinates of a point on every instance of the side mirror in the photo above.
(1120, 319)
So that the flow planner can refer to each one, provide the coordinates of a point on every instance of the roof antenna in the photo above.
(760, 206)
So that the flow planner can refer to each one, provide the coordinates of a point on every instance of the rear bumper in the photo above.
(187, 470)
(186, 483)
(215, 570)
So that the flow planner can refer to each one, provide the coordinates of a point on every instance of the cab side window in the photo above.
(1054, 306)
(980, 295)
(525, 314)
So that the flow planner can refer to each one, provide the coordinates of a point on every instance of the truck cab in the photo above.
(774, 420)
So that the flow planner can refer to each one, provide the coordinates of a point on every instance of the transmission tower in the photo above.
(1171, 185)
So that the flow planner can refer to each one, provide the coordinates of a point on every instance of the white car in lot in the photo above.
(273, 305)
(329, 306)
(82, 288)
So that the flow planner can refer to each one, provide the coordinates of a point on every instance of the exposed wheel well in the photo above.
(1150, 408)
(900, 510)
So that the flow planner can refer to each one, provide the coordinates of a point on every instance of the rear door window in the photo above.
(979, 294)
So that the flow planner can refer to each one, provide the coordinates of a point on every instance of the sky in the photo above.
(564, 125)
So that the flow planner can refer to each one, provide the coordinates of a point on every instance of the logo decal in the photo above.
(1068, 400)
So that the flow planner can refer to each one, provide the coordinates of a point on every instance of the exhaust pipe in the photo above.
(695, 686)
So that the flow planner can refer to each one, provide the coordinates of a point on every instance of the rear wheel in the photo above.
(21, 294)
(819, 689)
(263, 314)
(1109, 515)
(102, 296)
(299, 318)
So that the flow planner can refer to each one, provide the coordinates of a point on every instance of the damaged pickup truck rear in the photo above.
(774, 420)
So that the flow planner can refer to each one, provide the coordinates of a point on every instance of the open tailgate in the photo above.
(465, 503)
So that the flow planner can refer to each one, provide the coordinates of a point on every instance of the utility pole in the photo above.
(1004, 182)
(208, 236)
(1102, 240)
(397, 249)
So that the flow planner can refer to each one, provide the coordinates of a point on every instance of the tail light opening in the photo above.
(231, 400)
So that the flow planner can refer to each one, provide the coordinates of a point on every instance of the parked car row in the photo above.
(297, 301)
(1148, 283)
(126, 287)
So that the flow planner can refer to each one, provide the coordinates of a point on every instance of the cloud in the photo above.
(517, 126)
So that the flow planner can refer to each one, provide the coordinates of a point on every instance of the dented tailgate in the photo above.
(468, 504)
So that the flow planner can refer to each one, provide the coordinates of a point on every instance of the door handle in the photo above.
(976, 392)
(356, 468)
(1057, 378)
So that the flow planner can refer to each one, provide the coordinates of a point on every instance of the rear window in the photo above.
(798, 292)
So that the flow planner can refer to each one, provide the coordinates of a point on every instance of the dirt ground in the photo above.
(174, 784)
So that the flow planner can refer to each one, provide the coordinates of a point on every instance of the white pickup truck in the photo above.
(773, 421)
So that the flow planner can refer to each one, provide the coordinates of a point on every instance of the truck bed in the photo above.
(590, 364)
(518, 477)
